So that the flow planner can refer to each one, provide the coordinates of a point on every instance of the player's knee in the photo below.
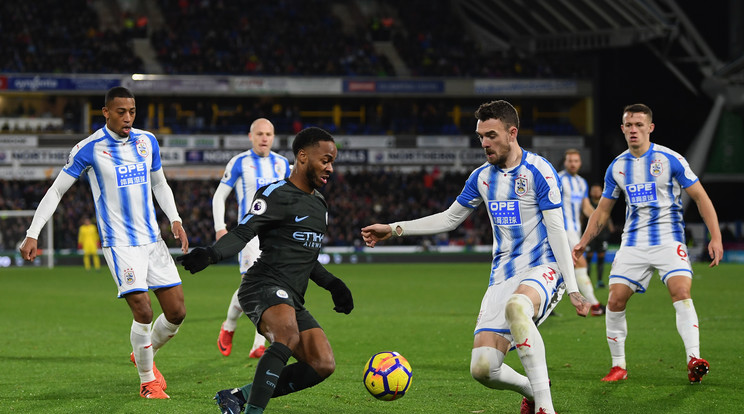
(483, 363)
(324, 366)
(176, 318)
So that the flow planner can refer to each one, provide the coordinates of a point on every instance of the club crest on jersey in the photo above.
(278, 169)
(656, 168)
(258, 207)
(142, 147)
(521, 185)
(282, 293)
(128, 276)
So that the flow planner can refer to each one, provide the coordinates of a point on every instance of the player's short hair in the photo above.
(639, 108)
(571, 151)
(308, 137)
(501, 110)
(117, 92)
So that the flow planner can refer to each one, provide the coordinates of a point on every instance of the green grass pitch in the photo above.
(64, 345)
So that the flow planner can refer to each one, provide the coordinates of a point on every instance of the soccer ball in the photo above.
(387, 376)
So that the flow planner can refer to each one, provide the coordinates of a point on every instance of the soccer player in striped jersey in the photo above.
(575, 202)
(123, 166)
(531, 264)
(652, 178)
(246, 172)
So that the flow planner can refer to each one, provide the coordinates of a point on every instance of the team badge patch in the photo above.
(521, 185)
(656, 168)
(128, 276)
(258, 207)
(279, 169)
(142, 147)
(554, 195)
(68, 164)
(282, 293)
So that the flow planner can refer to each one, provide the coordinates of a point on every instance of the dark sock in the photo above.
(295, 377)
(600, 269)
(267, 374)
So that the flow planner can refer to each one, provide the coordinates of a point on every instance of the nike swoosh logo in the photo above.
(268, 372)
(299, 219)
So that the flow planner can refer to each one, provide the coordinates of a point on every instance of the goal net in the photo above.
(13, 226)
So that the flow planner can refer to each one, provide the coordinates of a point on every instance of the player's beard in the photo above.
(313, 179)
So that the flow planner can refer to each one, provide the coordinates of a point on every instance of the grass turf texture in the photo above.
(64, 345)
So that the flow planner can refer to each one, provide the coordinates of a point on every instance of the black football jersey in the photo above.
(290, 225)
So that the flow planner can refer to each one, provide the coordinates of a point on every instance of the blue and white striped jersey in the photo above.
(515, 199)
(247, 172)
(653, 186)
(119, 175)
(575, 190)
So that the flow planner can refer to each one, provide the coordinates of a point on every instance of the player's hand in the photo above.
(198, 259)
(376, 232)
(715, 250)
(577, 252)
(341, 295)
(28, 249)
(580, 303)
(180, 234)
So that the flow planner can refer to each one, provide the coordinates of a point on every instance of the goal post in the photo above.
(13, 234)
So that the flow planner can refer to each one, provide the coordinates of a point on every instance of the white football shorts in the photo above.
(140, 268)
(545, 279)
(633, 266)
(249, 255)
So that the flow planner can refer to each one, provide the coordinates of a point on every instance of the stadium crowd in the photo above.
(288, 38)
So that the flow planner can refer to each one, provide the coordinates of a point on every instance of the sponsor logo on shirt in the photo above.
(131, 174)
(505, 213)
(309, 239)
(641, 193)
(262, 181)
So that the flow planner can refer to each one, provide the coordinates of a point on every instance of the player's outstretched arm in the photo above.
(446, 220)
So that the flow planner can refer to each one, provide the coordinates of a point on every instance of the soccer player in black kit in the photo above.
(290, 218)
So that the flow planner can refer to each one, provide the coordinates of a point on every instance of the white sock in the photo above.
(687, 326)
(139, 336)
(617, 331)
(258, 340)
(162, 332)
(487, 367)
(233, 313)
(530, 347)
(585, 285)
